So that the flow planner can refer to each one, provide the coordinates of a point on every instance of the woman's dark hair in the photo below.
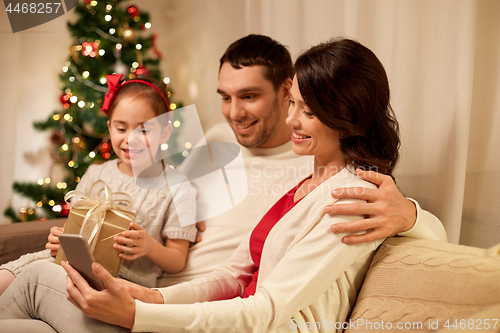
(346, 87)
(254, 50)
(145, 92)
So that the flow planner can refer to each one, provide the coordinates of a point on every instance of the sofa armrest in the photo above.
(17, 239)
(419, 285)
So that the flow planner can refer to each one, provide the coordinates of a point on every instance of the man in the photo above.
(254, 82)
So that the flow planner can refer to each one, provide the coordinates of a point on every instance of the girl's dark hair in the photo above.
(346, 87)
(145, 92)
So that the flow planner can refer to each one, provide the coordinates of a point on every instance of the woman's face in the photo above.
(309, 135)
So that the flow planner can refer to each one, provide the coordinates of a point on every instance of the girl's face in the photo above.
(309, 135)
(135, 134)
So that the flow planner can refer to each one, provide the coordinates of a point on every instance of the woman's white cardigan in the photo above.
(308, 278)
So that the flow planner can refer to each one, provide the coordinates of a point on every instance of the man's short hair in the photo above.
(261, 50)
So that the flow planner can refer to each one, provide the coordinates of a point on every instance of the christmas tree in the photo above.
(109, 37)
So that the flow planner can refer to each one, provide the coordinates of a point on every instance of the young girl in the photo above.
(156, 241)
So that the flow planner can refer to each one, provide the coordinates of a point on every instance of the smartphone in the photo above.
(78, 254)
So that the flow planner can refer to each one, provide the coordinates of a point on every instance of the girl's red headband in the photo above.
(114, 85)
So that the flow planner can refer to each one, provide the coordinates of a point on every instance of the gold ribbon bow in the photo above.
(99, 199)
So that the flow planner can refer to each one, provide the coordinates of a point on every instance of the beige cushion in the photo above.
(425, 281)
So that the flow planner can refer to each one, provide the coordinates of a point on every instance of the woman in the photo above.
(289, 273)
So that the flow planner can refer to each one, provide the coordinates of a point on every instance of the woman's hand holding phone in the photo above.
(113, 305)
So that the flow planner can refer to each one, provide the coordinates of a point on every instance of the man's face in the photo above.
(251, 105)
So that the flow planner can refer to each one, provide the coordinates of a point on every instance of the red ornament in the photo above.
(141, 71)
(143, 26)
(65, 208)
(105, 147)
(90, 49)
(133, 12)
(65, 99)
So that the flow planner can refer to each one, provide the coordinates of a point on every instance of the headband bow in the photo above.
(114, 85)
(113, 82)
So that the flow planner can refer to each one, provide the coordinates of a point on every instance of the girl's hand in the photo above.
(133, 243)
(53, 243)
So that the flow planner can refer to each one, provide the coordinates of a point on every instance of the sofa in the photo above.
(412, 285)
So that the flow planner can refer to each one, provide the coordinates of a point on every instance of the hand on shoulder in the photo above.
(387, 211)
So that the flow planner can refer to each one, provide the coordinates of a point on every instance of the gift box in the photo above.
(99, 216)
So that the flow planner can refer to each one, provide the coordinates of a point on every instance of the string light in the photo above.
(47, 180)
(67, 115)
(71, 163)
(73, 99)
(164, 146)
(39, 204)
(101, 52)
(64, 147)
(92, 154)
(135, 64)
(65, 69)
(52, 202)
(71, 79)
(147, 25)
(187, 145)
(118, 46)
(166, 80)
(112, 31)
(56, 117)
(173, 106)
(81, 104)
(138, 46)
(40, 182)
(108, 18)
(56, 208)
(177, 123)
(88, 83)
(185, 153)
(108, 7)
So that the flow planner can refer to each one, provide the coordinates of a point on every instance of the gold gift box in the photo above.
(113, 225)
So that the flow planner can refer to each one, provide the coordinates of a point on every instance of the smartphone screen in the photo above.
(79, 256)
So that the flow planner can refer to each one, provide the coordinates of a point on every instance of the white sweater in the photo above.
(307, 275)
